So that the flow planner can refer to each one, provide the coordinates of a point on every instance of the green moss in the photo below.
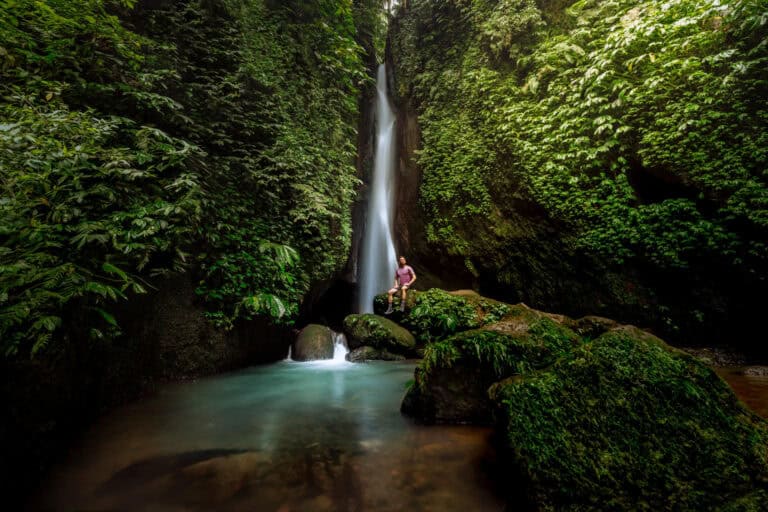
(627, 423)
(752, 502)
(617, 136)
(478, 347)
(452, 381)
(501, 349)
(434, 314)
(378, 332)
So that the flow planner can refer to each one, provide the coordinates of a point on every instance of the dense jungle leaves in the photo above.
(640, 127)
(584, 111)
(211, 137)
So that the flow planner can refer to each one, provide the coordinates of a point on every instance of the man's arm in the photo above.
(413, 277)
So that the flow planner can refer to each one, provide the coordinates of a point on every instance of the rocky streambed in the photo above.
(515, 409)
(590, 414)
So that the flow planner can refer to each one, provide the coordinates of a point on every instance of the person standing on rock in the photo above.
(404, 278)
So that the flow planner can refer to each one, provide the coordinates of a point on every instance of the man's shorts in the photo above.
(394, 290)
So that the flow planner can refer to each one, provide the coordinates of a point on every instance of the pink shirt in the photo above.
(404, 274)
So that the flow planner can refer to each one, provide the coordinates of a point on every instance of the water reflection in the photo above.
(289, 437)
(751, 389)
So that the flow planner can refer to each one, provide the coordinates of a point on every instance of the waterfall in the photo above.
(340, 349)
(378, 260)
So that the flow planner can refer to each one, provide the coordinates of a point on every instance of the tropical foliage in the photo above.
(639, 127)
(212, 137)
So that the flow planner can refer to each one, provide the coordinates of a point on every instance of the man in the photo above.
(404, 278)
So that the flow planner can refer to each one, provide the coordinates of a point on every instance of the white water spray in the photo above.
(340, 349)
(378, 260)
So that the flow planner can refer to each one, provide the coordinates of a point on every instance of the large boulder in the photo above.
(377, 332)
(313, 342)
(451, 383)
(435, 314)
(626, 422)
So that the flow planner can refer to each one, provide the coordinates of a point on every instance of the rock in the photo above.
(591, 326)
(174, 340)
(313, 342)
(377, 332)
(719, 356)
(451, 395)
(369, 353)
(452, 381)
(435, 314)
(380, 305)
(756, 371)
(628, 423)
(465, 293)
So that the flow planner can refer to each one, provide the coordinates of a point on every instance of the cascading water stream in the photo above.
(378, 260)
(340, 348)
(340, 351)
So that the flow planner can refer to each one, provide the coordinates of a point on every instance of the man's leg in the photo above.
(389, 300)
(402, 298)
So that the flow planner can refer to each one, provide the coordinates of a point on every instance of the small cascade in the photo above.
(340, 347)
(377, 259)
(288, 357)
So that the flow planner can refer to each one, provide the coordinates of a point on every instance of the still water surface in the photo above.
(289, 437)
(285, 437)
(751, 389)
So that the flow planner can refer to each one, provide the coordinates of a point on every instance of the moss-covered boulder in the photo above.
(629, 423)
(435, 314)
(361, 354)
(377, 332)
(451, 384)
(313, 342)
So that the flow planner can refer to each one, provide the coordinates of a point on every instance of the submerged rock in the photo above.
(369, 354)
(313, 342)
(377, 332)
(628, 423)
(452, 381)
(756, 371)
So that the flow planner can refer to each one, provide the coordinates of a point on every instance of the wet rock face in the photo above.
(627, 422)
(377, 332)
(455, 395)
(362, 354)
(313, 342)
(173, 338)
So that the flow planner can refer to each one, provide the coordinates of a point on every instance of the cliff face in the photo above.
(549, 154)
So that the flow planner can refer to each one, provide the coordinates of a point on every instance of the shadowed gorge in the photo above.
(201, 206)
